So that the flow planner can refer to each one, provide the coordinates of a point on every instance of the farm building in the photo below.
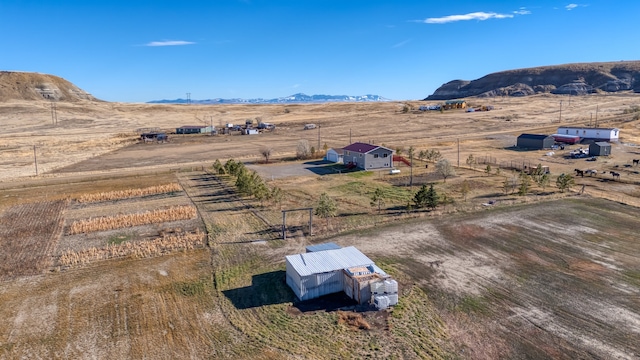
(535, 141)
(368, 156)
(322, 247)
(194, 129)
(322, 272)
(335, 155)
(250, 132)
(154, 136)
(597, 134)
(455, 104)
(600, 148)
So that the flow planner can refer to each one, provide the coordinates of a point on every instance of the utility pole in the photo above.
(350, 136)
(188, 98)
(560, 112)
(318, 149)
(411, 151)
(35, 159)
(458, 151)
(596, 115)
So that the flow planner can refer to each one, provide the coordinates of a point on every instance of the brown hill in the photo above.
(573, 79)
(16, 85)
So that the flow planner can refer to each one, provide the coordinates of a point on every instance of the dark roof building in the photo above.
(535, 141)
(600, 148)
(193, 129)
(368, 156)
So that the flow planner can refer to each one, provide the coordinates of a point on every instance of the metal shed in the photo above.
(322, 247)
(535, 141)
(600, 148)
(314, 274)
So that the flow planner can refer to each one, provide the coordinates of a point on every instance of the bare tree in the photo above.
(266, 153)
(444, 168)
(303, 150)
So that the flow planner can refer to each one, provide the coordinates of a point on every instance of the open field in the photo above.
(96, 136)
(547, 275)
(514, 282)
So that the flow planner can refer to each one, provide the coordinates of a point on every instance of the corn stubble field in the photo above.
(546, 275)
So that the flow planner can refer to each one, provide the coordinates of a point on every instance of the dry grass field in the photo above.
(546, 275)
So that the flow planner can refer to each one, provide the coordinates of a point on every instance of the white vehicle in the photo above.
(394, 171)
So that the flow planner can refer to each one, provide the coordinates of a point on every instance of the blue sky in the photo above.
(136, 51)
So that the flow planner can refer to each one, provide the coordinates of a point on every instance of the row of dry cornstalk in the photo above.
(173, 213)
(130, 193)
(141, 249)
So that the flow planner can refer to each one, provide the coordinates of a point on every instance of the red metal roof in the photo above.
(360, 147)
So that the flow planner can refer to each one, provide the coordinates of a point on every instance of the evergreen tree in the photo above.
(432, 198)
(525, 184)
(377, 198)
(326, 207)
(218, 167)
(420, 198)
(564, 182)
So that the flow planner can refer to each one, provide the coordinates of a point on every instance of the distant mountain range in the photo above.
(292, 99)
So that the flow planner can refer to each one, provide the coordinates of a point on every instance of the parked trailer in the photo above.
(567, 139)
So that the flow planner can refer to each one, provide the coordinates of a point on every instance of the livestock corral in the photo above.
(130, 254)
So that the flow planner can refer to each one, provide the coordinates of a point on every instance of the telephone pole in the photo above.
(188, 98)
(35, 159)
(560, 120)
(458, 152)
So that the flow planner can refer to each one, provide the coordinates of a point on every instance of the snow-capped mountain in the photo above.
(292, 99)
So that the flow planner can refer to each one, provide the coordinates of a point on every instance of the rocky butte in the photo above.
(568, 79)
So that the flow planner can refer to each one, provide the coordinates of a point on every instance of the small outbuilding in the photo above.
(335, 155)
(535, 141)
(600, 148)
(322, 247)
(317, 273)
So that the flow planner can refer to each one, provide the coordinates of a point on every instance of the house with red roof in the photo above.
(368, 156)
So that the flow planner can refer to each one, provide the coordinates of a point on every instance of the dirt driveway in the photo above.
(277, 171)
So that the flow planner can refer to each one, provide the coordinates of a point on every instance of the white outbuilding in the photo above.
(335, 155)
(597, 134)
(314, 274)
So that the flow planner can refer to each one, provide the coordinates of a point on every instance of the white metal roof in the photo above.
(328, 260)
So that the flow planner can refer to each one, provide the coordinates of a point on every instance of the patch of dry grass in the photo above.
(173, 213)
(130, 193)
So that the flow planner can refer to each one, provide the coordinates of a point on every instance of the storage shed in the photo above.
(314, 274)
(323, 247)
(535, 141)
(335, 155)
(600, 148)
